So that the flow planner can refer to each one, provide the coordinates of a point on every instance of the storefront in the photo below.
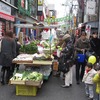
(6, 19)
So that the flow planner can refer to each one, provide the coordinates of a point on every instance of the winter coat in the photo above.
(95, 45)
(96, 79)
(8, 51)
(88, 76)
(82, 45)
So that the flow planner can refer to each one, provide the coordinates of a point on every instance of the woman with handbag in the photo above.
(66, 65)
(81, 46)
(8, 52)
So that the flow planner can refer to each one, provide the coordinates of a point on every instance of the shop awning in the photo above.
(7, 17)
(31, 26)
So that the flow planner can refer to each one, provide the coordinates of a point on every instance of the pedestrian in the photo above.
(96, 79)
(8, 52)
(66, 65)
(95, 42)
(87, 79)
(18, 45)
(81, 46)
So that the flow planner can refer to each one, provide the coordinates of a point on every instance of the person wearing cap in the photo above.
(81, 46)
(67, 53)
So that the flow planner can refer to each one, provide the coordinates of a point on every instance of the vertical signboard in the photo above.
(40, 2)
(23, 3)
(88, 30)
(91, 7)
(40, 7)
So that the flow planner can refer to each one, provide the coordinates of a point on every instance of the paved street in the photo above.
(51, 90)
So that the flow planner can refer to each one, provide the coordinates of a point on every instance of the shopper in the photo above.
(95, 43)
(8, 52)
(81, 46)
(96, 80)
(87, 79)
(66, 65)
(18, 45)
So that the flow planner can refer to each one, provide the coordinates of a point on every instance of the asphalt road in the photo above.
(50, 90)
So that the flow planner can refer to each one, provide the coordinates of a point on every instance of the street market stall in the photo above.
(30, 80)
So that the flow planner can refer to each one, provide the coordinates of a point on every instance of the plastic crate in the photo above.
(26, 90)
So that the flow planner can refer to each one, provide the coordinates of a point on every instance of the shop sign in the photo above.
(91, 7)
(88, 29)
(23, 3)
(40, 2)
(5, 8)
(40, 8)
(7, 17)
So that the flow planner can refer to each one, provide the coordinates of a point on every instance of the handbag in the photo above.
(63, 65)
(64, 68)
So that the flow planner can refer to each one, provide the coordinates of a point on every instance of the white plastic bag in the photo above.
(58, 53)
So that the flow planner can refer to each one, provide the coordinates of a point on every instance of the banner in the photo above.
(90, 7)
(51, 20)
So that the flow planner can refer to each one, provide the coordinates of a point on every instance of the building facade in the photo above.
(88, 14)
(16, 11)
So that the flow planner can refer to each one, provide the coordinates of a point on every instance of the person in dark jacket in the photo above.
(95, 43)
(8, 52)
(18, 45)
(81, 46)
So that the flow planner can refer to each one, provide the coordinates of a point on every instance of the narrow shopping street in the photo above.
(50, 90)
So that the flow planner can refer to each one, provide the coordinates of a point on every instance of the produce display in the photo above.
(30, 48)
(42, 56)
(28, 76)
(44, 70)
(47, 46)
(23, 57)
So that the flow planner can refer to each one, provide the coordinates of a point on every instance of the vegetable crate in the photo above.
(25, 90)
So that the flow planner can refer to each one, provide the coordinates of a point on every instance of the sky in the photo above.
(61, 10)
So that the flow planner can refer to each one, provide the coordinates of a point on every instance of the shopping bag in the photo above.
(81, 57)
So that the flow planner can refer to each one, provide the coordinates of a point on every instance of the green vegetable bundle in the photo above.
(28, 76)
(29, 48)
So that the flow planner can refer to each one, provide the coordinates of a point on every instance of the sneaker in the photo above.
(65, 86)
(70, 84)
(2, 83)
(90, 98)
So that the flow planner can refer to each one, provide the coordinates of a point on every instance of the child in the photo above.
(96, 79)
(87, 79)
